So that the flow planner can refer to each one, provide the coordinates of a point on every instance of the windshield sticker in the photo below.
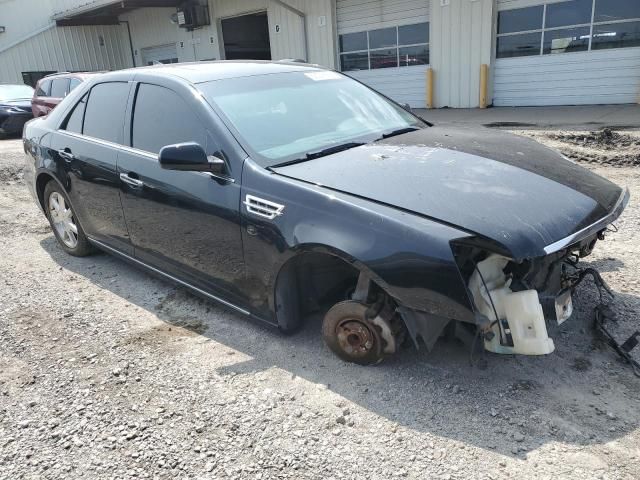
(325, 75)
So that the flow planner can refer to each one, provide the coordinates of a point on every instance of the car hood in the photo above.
(508, 189)
(24, 105)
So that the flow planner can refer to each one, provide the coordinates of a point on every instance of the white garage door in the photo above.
(385, 44)
(160, 54)
(575, 52)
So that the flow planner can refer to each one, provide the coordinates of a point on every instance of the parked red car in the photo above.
(51, 89)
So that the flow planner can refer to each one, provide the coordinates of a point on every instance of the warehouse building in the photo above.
(426, 53)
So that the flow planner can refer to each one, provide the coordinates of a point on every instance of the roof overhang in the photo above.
(106, 12)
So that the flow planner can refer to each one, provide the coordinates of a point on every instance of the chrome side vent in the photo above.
(263, 208)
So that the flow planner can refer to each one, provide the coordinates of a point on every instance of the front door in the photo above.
(85, 150)
(183, 223)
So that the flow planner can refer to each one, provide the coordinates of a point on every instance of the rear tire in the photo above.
(350, 335)
(64, 223)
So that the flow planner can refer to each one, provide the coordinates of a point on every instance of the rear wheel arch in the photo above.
(41, 184)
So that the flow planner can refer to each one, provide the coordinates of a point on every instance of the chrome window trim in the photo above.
(171, 277)
(593, 228)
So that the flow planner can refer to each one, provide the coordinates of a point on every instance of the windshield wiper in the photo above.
(322, 153)
(400, 131)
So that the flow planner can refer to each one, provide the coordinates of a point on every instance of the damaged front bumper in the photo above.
(514, 300)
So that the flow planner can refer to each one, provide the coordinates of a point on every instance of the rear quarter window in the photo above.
(44, 88)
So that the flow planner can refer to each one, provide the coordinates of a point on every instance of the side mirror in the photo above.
(407, 107)
(190, 157)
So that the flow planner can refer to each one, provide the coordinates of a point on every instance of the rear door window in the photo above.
(59, 87)
(162, 118)
(44, 89)
(104, 115)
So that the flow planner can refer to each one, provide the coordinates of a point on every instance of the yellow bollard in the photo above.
(429, 88)
(484, 76)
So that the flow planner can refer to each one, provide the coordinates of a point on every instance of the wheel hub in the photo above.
(355, 338)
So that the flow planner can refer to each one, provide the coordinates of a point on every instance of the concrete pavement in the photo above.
(589, 117)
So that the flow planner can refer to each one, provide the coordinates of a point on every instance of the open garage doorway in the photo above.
(246, 37)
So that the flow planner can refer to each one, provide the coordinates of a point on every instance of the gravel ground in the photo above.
(107, 372)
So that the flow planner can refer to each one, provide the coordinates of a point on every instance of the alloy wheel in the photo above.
(62, 219)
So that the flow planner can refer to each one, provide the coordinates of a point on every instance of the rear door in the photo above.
(184, 223)
(85, 150)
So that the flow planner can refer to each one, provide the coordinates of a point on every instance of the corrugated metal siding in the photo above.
(289, 43)
(461, 41)
(63, 7)
(406, 85)
(509, 4)
(151, 27)
(581, 78)
(20, 25)
(358, 15)
(66, 48)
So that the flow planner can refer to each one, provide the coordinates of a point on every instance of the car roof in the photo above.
(82, 75)
(198, 72)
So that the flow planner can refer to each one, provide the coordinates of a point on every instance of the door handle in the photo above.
(66, 154)
(132, 182)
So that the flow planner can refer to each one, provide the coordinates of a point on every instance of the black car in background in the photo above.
(285, 191)
(15, 108)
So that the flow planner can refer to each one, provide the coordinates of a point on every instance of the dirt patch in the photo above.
(604, 147)
(11, 173)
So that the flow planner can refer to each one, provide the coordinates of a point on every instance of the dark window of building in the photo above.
(354, 61)
(413, 34)
(402, 46)
(104, 116)
(566, 40)
(520, 19)
(519, 45)
(387, 58)
(611, 10)
(162, 118)
(74, 122)
(616, 35)
(44, 89)
(352, 42)
(574, 12)
(59, 87)
(416, 55)
(383, 38)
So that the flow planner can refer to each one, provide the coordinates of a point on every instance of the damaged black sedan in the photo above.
(286, 191)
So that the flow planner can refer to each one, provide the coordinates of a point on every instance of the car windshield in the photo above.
(284, 117)
(15, 92)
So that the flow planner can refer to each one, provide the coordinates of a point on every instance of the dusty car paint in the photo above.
(397, 210)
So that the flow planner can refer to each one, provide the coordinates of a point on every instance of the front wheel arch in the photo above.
(292, 293)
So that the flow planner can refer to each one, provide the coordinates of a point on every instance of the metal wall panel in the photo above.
(360, 15)
(581, 78)
(289, 42)
(64, 7)
(509, 4)
(405, 85)
(461, 41)
(23, 18)
(152, 27)
(66, 48)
